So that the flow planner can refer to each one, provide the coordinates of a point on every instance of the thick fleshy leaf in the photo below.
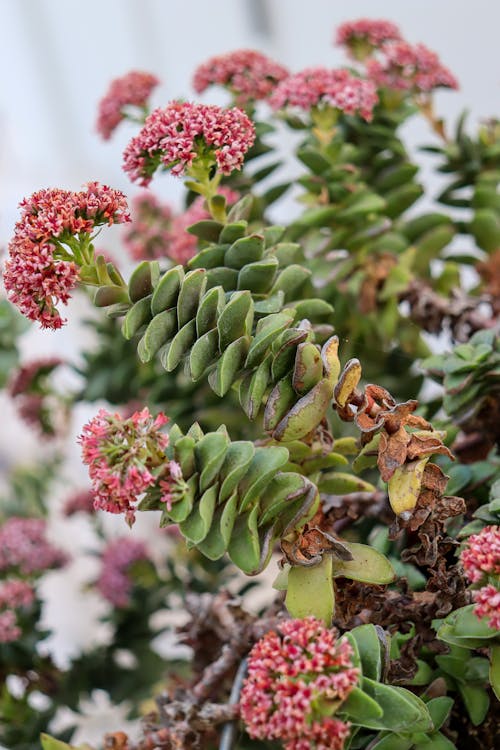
(495, 670)
(233, 231)
(308, 368)
(253, 388)
(310, 591)
(405, 484)
(236, 319)
(463, 628)
(368, 565)
(245, 250)
(291, 280)
(203, 353)
(348, 381)
(279, 402)
(402, 709)
(137, 316)
(193, 287)
(143, 279)
(210, 453)
(182, 508)
(244, 546)
(267, 330)
(228, 366)
(340, 483)
(265, 464)
(359, 706)
(258, 277)
(159, 332)
(368, 644)
(306, 414)
(439, 709)
(206, 230)
(179, 346)
(477, 702)
(197, 525)
(167, 290)
(238, 457)
(211, 305)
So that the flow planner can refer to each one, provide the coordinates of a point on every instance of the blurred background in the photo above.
(57, 58)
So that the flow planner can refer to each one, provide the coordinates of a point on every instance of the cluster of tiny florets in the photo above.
(125, 457)
(366, 31)
(316, 87)
(156, 232)
(408, 67)
(290, 671)
(26, 377)
(247, 74)
(25, 548)
(36, 403)
(115, 582)
(130, 90)
(39, 272)
(81, 501)
(481, 564)
(176, 135)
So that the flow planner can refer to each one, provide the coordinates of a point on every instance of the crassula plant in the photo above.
(265, 399)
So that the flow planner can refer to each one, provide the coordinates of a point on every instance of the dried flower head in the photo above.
(130, 90)
(322, 87)
(181, 133)
(125, 457)
(407, 67)
(24, 547)
(115, 582)
(44, 257)
(247, 74)
(290, 674)
(363, 36)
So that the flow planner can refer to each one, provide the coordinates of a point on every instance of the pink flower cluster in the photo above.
(156, 232)
(407, 67)
(24, 547)
(131, 90)
(366, 31)
(9, 630)
(178, 134)
(290, 673)
(316, 87)
(481, 563)
(247, 74)
(40, 272)
(114, 582)
(16, 593)
(26, 377)
(81, 501)
(125, 457)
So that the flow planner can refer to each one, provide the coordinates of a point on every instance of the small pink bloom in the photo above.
(16, 594)
(407, 67)
(39, 273)
(289, 671)
(131, 90)
(125, 457)
(79, 502)
(115, 582)
(9, 631)
(175, 136)
(24, 547)
(487, 601)
(320, 87)
(247, 74)
(481, 557)
(366, 32)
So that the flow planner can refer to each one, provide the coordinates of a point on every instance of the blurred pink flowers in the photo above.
(131, 90)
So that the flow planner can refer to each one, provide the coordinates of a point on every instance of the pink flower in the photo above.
(79, 502)
(366, 34)
(16, 593)
(320, 87)
(481, 557)
(247, 74)
(155, 232)
(487, 600)
(149, 232)
(26, 377)
(289, 672)
(407, 67)
(131, 90)
(177, 135)
(42, 268)
(9, 631)
(114, 582)
(125, 457)
(24, 547)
